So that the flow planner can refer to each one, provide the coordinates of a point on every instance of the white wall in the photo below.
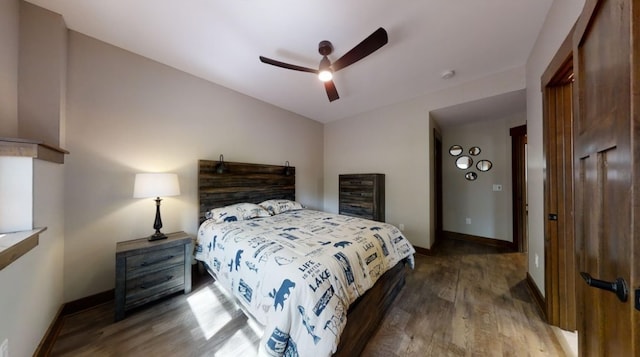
(560, 19)
(490, 211)
(9, 28)
(397, 141)
(128, 114)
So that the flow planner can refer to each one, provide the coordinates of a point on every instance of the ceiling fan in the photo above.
(326, 69)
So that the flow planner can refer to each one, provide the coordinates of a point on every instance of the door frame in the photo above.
(559, 240)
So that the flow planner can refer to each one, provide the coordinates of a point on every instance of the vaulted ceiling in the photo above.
(221, 41)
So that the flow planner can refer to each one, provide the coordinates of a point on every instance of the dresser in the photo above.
(147, 271)
(362, 195)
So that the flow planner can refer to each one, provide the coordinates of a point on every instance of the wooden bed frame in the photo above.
(254, 183)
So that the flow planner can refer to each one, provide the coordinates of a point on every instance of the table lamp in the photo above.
(156, 185)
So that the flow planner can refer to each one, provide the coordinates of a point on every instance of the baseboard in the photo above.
(88, 302)
(70, 308)
(422, 251)
(538, 299)
(480, 240)
(45, 345)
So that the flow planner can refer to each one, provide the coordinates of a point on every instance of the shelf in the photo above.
(31, 148)
(16, 244)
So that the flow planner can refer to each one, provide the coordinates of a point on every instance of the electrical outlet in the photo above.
(537, 262)
(467, 220)
(4, 348)
(401, 226)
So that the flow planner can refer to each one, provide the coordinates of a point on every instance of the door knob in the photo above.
(619, 287)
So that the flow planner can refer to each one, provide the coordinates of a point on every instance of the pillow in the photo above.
(280, 206)
(237, 212)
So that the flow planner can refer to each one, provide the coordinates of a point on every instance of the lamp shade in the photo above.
(156, 185)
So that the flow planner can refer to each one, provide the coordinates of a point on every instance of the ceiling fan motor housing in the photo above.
(325, 48)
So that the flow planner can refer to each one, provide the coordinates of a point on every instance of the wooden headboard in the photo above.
(242, 182)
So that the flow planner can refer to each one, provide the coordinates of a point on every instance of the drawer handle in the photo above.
(145, 264)
(156, 282)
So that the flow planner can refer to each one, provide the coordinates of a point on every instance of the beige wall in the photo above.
(490, 211)
(41, 89)
(32, 286)
(9, 27)
(128, 114)
(397, 141)
(31, 292)
(560, 19)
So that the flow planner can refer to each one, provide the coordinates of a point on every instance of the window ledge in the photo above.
(16, 244)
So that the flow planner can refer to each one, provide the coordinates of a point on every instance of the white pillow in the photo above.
(280, 206)
(236, 212)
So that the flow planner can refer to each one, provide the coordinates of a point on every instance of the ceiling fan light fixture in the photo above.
(325, 75)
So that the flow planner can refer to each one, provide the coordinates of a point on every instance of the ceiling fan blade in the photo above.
(332, 92)
(368, 46)
(286, 65)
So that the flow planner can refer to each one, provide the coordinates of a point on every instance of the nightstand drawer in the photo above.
(141, 264)
(153, 283)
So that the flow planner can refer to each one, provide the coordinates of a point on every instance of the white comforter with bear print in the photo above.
(297, 272)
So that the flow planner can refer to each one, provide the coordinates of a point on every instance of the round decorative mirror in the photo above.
(474, 151)
(455, 150)
(471, 176)
(464, 162)
(484, 165)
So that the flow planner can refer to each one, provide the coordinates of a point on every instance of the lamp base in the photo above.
(157, 236)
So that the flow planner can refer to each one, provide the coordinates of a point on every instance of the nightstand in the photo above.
(147, 271)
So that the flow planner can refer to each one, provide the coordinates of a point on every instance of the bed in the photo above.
(306, 276)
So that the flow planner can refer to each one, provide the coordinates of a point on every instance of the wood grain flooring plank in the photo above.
(464, 300)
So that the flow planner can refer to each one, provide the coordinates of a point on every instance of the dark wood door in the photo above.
(437, 140)
(519, 184)
(607, 197)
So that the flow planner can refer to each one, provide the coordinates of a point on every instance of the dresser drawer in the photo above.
(144, 263)
(357, 182)
(153, 284)
(360, 193)
(356, 211)
(355, 205)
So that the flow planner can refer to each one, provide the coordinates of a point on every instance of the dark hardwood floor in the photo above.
(466, 300)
